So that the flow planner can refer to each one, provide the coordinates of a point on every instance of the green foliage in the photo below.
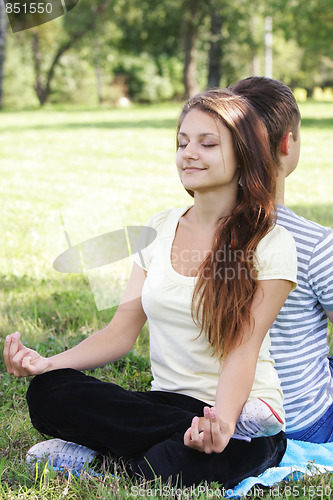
(309, 24)
(150, 80)
(19, 76)
(74, 81)
(149, 26)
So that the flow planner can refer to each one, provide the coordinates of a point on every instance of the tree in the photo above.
(172, 27)
(149, 26)
(215, 46)
(3, 25)
(310, 23)
(193, 14)
(82, 21)
(168, 28)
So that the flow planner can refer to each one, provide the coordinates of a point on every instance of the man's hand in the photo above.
(206, 434)
(22, 361)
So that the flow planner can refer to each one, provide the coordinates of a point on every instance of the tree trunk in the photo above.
(215, 49)
(190, 61)
(43, 90)
(191, 20)
(99, 83)
(37, 56)
(98, 72)
(3, 25)
(255, 59)
(268, 47)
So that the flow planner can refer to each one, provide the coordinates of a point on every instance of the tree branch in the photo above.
(44, 93)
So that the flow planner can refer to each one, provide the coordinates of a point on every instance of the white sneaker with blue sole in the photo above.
(62, 456)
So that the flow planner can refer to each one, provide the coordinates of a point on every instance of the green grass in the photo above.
(309, 188)
(94, 170)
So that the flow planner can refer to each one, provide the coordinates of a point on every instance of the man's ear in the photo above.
(284, 145)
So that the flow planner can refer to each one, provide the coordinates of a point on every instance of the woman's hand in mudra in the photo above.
(22, 361)
(206, 434)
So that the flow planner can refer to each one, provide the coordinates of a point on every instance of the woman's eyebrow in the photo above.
(203, 134)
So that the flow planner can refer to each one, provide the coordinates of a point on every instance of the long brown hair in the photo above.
(226, 280)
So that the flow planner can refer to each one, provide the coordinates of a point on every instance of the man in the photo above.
(299, 334)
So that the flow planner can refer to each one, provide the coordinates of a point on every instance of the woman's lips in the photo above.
(192, 169)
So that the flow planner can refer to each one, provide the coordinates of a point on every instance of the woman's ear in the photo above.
(284, 145)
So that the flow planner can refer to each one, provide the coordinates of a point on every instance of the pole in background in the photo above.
(268, 47)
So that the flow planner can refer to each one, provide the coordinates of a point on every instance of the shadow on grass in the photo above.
(318, 123)
(112, 124)
(129, 122)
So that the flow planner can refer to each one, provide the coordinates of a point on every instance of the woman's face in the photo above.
(205, 158)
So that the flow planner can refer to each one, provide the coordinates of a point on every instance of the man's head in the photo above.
(276, 105)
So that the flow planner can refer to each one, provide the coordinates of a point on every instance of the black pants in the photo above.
(145, 429)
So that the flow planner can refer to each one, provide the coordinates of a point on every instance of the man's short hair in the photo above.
(276, 105)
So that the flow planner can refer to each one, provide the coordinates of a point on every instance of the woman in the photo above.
(210, 284)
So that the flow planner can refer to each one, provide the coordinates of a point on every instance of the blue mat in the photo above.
(300, 458)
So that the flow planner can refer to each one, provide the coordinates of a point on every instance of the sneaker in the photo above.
(258, 419)
(61, 455)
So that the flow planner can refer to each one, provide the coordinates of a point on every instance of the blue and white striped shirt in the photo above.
(299, 334)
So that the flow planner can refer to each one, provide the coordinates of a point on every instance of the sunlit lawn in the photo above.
(309, 188)
(89, 172)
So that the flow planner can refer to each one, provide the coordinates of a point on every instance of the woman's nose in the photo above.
(190, 152)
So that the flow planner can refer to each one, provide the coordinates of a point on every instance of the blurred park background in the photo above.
(89, 105)
(107, 51)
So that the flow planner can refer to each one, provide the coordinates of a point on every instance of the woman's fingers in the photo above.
(213, 438)
(205, 434)
(26, 362)
(219, 440)
(195, 429)
(193, 435)
(10, 349)
(17, 357)
(187, 437)
(20, 361)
